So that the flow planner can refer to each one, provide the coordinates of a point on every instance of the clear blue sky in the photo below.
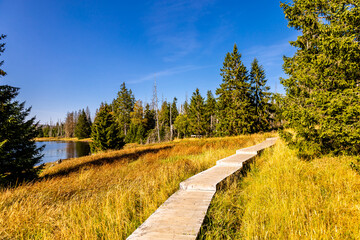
(69, 54)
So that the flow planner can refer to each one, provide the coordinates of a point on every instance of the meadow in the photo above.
(108, 195)
(283, 197)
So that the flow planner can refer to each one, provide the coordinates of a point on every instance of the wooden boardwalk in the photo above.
(182, 214)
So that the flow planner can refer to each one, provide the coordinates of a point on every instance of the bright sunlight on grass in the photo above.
(108, 195)
(283, 197)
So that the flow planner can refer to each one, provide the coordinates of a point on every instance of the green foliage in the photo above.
(83, 126)
(260, 96)
(149, 117)
(323, 88)
(197, 116)
(2, 49)
(122, 106)
(234, 101)
(210, 113)
(18, 152)
(182, 125)
(105, 131)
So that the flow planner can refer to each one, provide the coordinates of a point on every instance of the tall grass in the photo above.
(107, 195)
(287, 198)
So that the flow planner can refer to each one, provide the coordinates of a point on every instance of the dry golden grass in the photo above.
(107, 195)
(287, 198)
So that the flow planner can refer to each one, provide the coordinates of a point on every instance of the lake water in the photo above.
(56, 150)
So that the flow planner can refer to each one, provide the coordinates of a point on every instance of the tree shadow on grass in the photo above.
(124, 158)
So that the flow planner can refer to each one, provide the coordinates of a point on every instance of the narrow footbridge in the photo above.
(182, 214)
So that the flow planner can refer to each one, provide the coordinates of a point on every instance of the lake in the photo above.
(56, 150)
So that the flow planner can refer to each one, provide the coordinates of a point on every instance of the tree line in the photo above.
(243, 105)
(321, 106)
(77, 124)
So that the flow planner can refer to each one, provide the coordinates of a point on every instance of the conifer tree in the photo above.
(322, 91)
(210, 113)
(182, 125)
(83, 126)
(122, 106)
(18, 152)
(197, 114)
(149, 117)
(260, 97)
(105, 131)
(234, 101)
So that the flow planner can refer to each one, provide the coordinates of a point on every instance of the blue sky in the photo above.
(66, 55)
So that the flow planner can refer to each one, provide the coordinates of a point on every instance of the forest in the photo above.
(243, 104)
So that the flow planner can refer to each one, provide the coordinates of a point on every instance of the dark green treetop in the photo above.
(197, 114)
(83, 126)
(234, 101)
(123, 105)
(322, 90)
(260, 96)
(105, 131)
(18, 152)
(210, 113)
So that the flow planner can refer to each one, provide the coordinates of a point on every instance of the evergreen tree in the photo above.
(18, 152)
(260, 96)
(122, 106)
(197, 115)
(322, 91)
(149, 117)
(182, 125)
(210, 113)
(83, 126)
(173, 114)
(105, 131)
(234, 101)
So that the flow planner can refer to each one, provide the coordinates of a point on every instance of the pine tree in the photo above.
(197, 115)
(234, 101)
(323, 88)
(105, 131)
(83, 126)
(260, 96)
(122, 106)
(210, 113)
(18, 152)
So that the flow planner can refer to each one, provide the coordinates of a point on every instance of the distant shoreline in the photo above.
(54, 139)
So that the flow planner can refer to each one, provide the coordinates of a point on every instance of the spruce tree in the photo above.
(322, 103)
(123, 105)
(83, 126)
(210, 113)
(18, 152)
(234, 101)
(260, 97)
(197, 114)
(105, 131)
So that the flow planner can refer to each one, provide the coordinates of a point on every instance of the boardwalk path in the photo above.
(182, 214)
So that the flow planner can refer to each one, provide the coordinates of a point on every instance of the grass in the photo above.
(107, 195)
(283, 197)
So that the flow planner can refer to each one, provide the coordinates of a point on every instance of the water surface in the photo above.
(56, 150)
